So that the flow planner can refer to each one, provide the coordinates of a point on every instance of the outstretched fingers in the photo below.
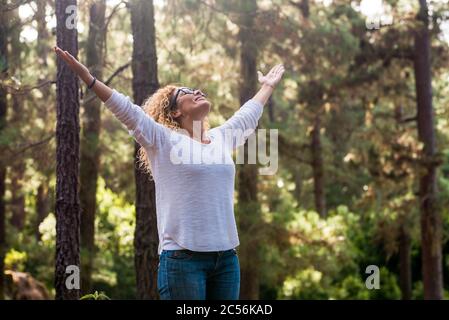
(61, 54)
(276, 70)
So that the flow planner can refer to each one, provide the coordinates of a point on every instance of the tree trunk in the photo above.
(297, 192)
(67, 156)
(318, 168)
(145, 83)
(3, 109)
(430, 215)
(17, 203)
(90, 152)
(43, 44)
(405, 241)
(304, 6)
(405, 264)
(249, 211)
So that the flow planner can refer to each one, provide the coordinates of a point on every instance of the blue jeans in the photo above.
(192, 275)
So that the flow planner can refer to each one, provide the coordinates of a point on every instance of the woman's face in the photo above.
(191, 103)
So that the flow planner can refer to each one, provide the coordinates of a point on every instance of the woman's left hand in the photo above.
(273, 77)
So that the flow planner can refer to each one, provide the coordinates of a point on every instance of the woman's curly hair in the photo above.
(157, 107)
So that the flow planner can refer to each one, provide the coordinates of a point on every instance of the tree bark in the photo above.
(318, 168)
(297, 192)
(145, 83)
(67, 156)
(249, 210)
(42, 43)
(430, 216)
(17, 203)
(42, 207)
(90, 152)
(270, 109)
(3, 111)
(2, 210)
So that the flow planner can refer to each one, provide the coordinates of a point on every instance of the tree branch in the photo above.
(409, 119)
(12, 6)
(114, 10)
(32, 145)
(292, 150)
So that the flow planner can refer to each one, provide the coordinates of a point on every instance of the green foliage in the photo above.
(359, 83)
(320, 256)
(95, 296)
(389, 288)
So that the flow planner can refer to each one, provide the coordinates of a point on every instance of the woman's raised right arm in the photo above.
(141, 126)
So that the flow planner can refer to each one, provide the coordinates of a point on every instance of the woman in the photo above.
(194, 176)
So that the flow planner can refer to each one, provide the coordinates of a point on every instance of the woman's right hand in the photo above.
(100, 89)
(74, 64)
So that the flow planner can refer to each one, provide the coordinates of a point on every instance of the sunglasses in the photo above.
(182, 91)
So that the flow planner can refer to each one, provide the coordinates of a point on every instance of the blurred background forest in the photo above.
(363, 174)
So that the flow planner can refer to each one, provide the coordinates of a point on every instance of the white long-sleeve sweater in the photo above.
(194, 181)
